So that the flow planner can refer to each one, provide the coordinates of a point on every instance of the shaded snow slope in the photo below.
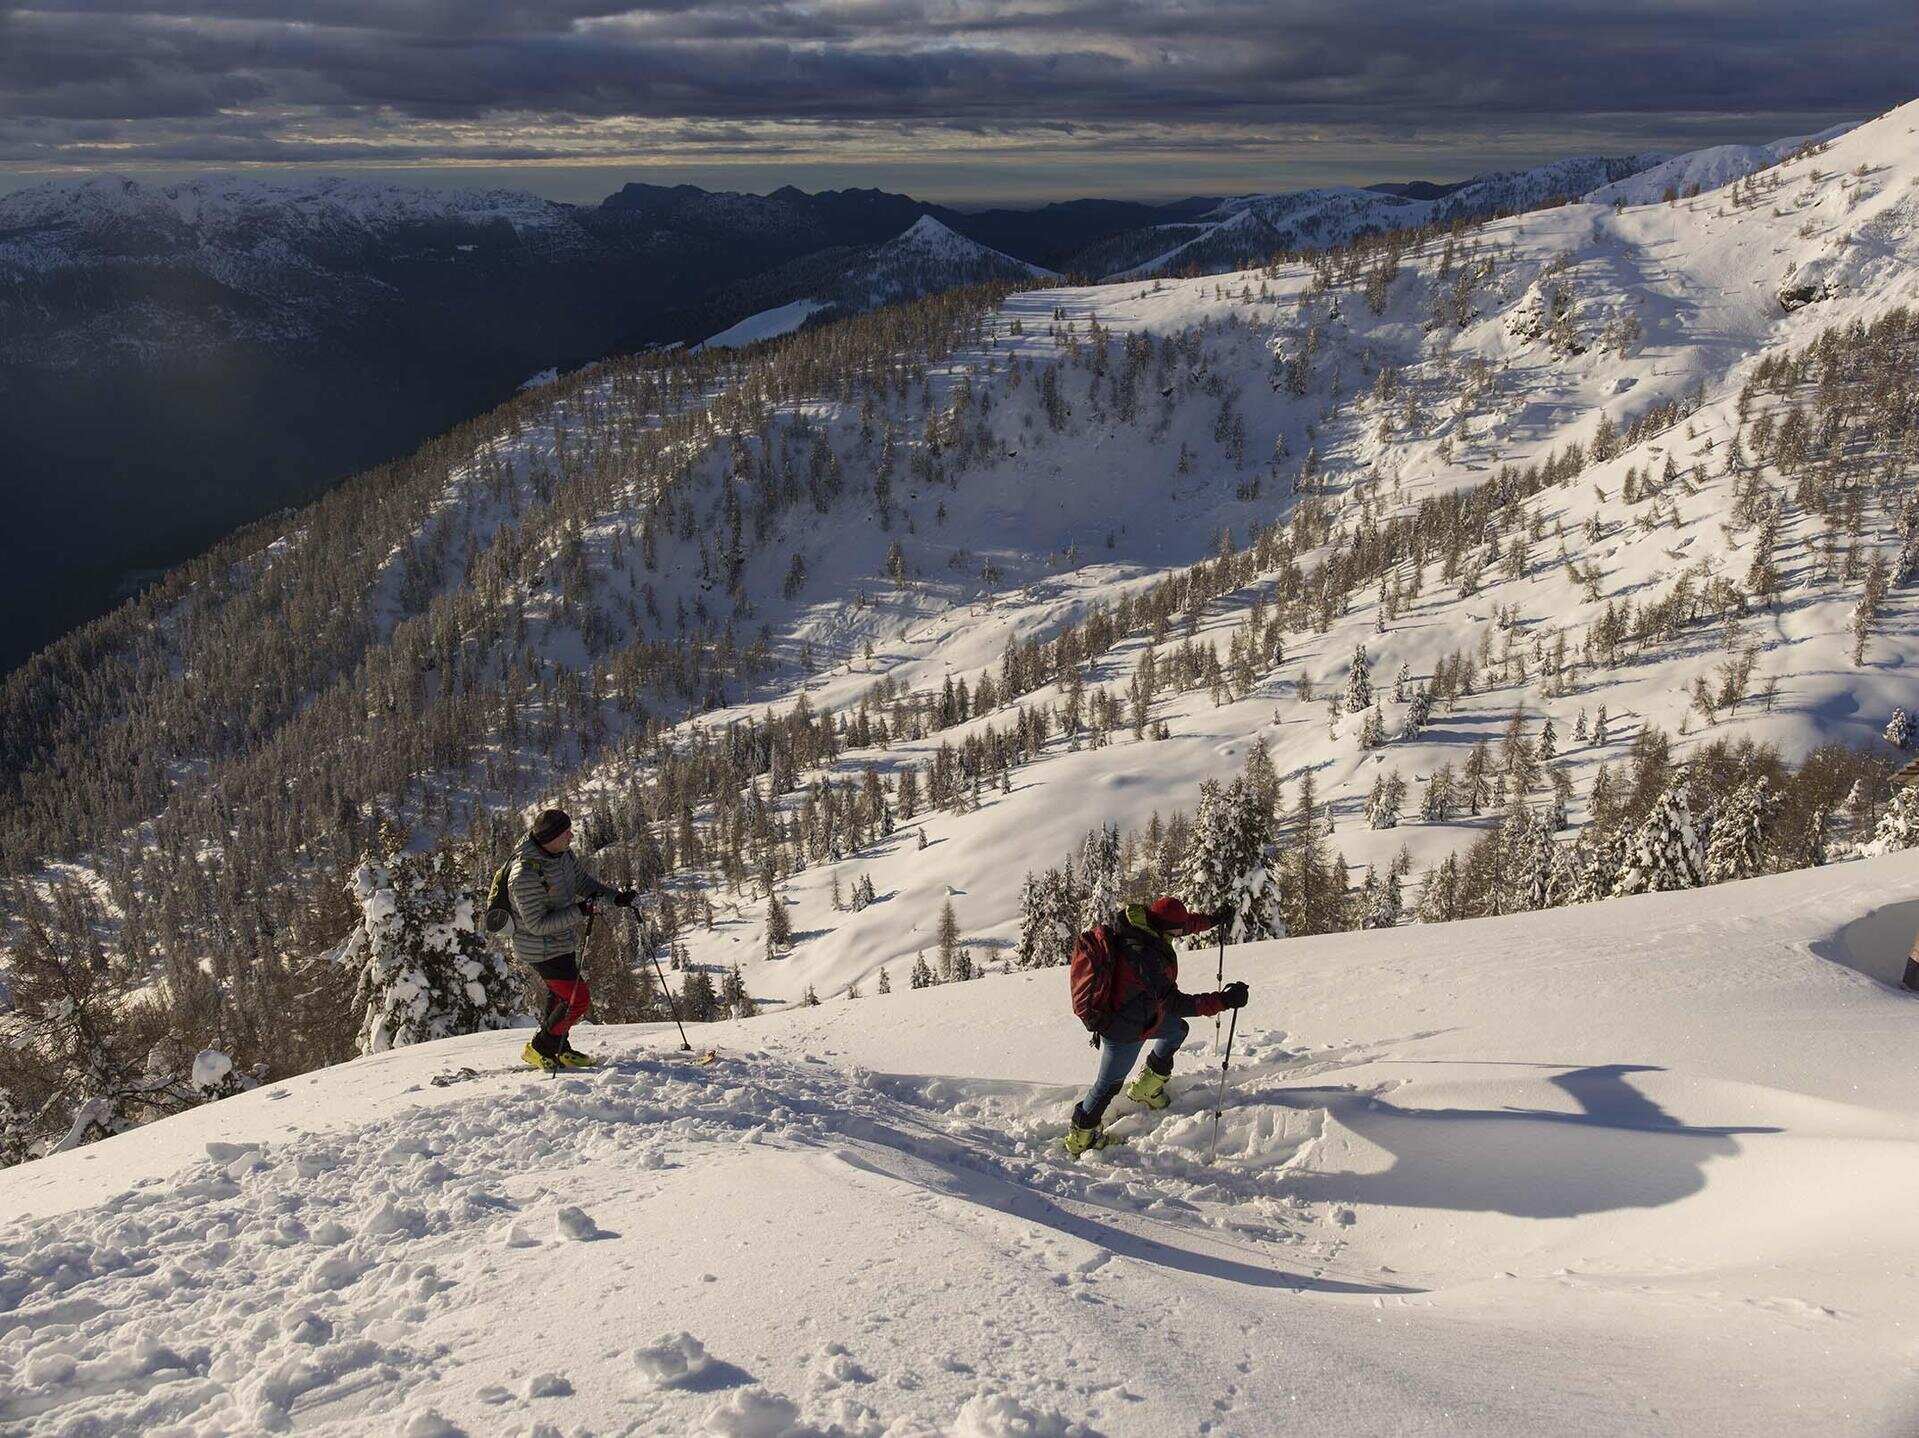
(1637, 1168)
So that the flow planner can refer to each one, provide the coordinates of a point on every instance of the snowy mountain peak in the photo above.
(926, 238)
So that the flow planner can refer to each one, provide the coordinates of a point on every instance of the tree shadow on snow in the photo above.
(1621, 1150)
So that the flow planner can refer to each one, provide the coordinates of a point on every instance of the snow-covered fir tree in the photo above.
(1899, 730)
(1898, 824)
(1665, 853)
(1381, 899)
(1213, 863)
(1737, 847)
(1258, 908)
(1598, 866)
(1099, 875)
(1387, 798)
(1372, 729)
(1050, 909)
(425, 969)
(1418, 713)
(779, 926)
(1359, 682)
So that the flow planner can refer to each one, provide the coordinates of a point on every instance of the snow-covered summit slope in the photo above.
(1248, 228)
(928, 257)
(1636, 1169)
(1699, 170)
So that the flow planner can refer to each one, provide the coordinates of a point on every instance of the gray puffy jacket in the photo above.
(546, 890)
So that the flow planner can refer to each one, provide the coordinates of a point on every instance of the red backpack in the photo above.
(1096, 965)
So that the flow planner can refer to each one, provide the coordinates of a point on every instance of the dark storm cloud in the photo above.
(1704, 68)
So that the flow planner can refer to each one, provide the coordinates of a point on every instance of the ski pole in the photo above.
(1219, 1097)
(671, 1007)
(1219, 982)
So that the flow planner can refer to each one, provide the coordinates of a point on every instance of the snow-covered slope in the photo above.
(766, 325)
(1697, 171)
(1643, 1168)
(898, 266)
(1250, 228)
(1070, 518)
(926, 258)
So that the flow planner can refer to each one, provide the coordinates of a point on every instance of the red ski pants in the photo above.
(568, 997)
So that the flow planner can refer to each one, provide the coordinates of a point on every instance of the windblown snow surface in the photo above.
(1642, 1167)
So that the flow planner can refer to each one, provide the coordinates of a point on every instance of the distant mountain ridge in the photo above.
(178, 359)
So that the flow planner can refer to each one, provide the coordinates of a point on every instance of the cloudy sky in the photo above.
(960, 100)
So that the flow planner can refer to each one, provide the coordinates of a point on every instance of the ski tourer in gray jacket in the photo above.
(546, 891)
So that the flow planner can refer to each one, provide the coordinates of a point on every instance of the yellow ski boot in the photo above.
(1078, 1140)
(533, 1058)
(1149, 1088)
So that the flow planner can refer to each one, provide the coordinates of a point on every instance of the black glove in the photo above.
(1233, 995)
(1223, 917)
(626, 897)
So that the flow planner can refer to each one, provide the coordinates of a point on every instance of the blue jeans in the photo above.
(1116, 1061)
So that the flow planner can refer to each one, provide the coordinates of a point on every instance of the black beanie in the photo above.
(550, 825)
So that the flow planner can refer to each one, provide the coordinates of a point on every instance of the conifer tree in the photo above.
(1418, 713)
(1359, 682)
(885, 983)
(1441, 796)
(1261, 777)
(948, 939)
(1388, 797)
(1211, 866)
(921, 976)
(1665, 853)
(1380, 899)
(1737, 847)
(698, 1000)
(1899, 730)
(1898, 824)
(779, 926)
(1099, 875)
(1440, 899)
(733, 996)
(1475, 780)
(1372, 729)
(425, 970)
(1312, 894)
